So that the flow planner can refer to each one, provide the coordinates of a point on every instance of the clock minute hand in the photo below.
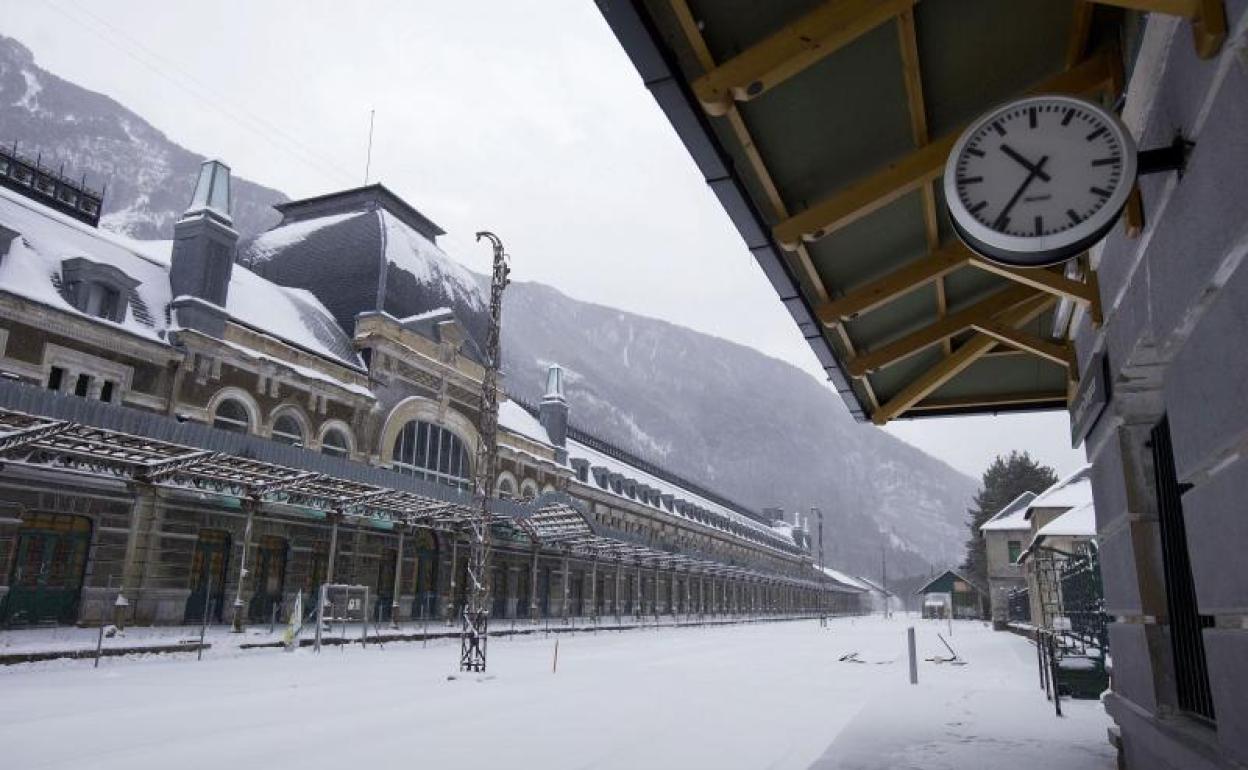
(1003, 217)
(1010, 151)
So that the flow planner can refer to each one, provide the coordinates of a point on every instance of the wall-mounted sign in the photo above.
(1037, 181)
(1090, 399)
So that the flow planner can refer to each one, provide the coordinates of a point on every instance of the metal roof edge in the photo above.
(636, 33)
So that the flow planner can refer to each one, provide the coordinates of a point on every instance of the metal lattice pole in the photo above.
(475, 633)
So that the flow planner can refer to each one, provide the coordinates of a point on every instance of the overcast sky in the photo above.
(525, 118)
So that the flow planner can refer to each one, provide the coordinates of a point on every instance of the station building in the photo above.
(202, 428)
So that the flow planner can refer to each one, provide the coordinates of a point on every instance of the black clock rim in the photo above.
(1025, 259)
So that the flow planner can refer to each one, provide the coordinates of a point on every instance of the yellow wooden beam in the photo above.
(952, 365)
(984, 310)
(1208, 18)
(897, 283)
(987, 402)
(783, 54)
(924, 165)
(1059, 353)
(1042, 279)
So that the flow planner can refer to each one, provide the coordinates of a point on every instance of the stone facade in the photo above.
(1175, 302)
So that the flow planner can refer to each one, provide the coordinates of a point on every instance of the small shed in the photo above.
(950, 592)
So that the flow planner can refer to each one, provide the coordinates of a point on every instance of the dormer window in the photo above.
(97, 289)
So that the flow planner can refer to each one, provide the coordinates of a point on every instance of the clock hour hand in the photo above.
(1035, 168)
(1004, 216)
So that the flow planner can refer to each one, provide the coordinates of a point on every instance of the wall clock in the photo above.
(1037, 181)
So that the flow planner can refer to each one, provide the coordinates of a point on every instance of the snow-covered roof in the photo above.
(1012, 516)
(597, 459)
(847, 579)
(1079, 521)
(1074, 490)
(518, 420)
(32, 269)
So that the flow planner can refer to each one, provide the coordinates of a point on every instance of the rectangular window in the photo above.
(1191, 670)
(106, 391)
(1015, 548)
(56, 377)
(83, 385)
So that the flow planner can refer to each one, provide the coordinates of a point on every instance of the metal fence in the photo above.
(1083, 606)
(1019, 605)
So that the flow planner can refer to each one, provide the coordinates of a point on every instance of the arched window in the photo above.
(287, 430)
(506, 489)
(432, 452)
(528, 489)
(335, 443)
(231, 415)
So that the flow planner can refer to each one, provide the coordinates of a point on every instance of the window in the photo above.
(106, 391)
(101, 301)
(1015, 549)
(506, 490)
(431, 452)
(83, 386)
(286, 430)
(335, 443)
(96, 288)
(232, 416)
(56, 377)
(45, 185)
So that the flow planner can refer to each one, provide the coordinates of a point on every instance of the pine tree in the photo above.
(1005, 479)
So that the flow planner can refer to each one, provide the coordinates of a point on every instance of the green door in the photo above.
(46, 579)
(212, 553)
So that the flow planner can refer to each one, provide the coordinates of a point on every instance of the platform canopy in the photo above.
(823, 127)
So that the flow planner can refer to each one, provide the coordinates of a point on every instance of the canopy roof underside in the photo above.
(823, 127)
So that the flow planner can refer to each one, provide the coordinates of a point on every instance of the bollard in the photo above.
(554, 666)
(914, 661)
(99, 645)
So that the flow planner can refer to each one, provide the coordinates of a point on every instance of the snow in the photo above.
(437, 311)
(1012, 516)
(49, 237)
(414, 253)
(595, 458)
(671, 698)
(1077, 522)
(305, 372)
(517, 419)
(272, 241)
(1072, 491)
(29, 100)
(849, 580)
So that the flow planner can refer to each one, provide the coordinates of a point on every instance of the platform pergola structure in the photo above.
(41, 429)
(823, 127)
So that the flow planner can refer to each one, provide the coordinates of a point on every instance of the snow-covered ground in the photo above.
(770, 695)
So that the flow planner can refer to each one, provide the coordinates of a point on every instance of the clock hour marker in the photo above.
(970, 179)
(975, 209)
(1000, 129)
(1070, 113)
(1001, 223)
(1095, 133)
(1074, 218)
(1101, 192)
(1106, 161)
(1039, 225)
(975, 151)
(1031, 117)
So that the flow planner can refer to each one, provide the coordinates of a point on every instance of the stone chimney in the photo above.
(553, 413)
(203, 253)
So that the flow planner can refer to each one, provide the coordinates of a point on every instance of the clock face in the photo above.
(1039, 180)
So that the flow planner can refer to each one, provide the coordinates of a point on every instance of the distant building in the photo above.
(949, 593)
(1005, 536)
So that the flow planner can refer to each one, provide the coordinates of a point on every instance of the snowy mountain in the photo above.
(756, 429)
(149, 177)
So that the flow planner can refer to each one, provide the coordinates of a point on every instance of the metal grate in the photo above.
(1191, 671)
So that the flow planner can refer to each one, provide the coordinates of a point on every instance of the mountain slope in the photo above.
(149, 177)
(753, 428)
(759, 430)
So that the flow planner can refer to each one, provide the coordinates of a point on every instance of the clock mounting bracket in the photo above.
(1172, 157)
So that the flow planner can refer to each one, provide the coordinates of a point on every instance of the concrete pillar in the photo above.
(533, 587)
(398, 576)
(564, 610)
(619, 573)
(593, 588)
(138, 544)
(638, 592)
(249, 505)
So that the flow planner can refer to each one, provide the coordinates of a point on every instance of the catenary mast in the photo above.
(475, 633)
